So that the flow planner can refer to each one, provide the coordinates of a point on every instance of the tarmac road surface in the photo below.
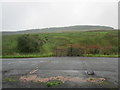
(61, 66)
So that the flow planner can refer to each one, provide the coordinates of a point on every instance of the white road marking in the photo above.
(42, 61)
(33, 71)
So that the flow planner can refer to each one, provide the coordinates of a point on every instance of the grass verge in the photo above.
(50, 55)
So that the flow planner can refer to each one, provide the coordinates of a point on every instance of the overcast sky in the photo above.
(27, 15)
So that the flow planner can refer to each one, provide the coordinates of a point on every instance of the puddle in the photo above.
(74, 71)
(11, 62)
(43, 61)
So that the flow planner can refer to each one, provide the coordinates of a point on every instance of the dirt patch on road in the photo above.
(35, 78)
(97, 80)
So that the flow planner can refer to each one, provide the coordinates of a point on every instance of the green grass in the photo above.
(9, 79)
(98, 55)
(101, 39)
(53, 83)
(38, 56)
(26, 56)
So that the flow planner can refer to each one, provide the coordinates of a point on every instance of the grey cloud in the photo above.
(20, 16)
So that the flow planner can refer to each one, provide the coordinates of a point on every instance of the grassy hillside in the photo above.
(89, 43)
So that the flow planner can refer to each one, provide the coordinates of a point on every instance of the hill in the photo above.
(61, 29)
(101, 43)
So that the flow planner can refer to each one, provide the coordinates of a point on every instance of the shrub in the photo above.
(29, 43)
(72, 51)
(94, 51)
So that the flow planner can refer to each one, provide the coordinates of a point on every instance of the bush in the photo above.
(29, 43)
(72, 51)
(94, 51)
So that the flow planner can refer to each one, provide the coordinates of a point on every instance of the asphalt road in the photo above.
(63, 66)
